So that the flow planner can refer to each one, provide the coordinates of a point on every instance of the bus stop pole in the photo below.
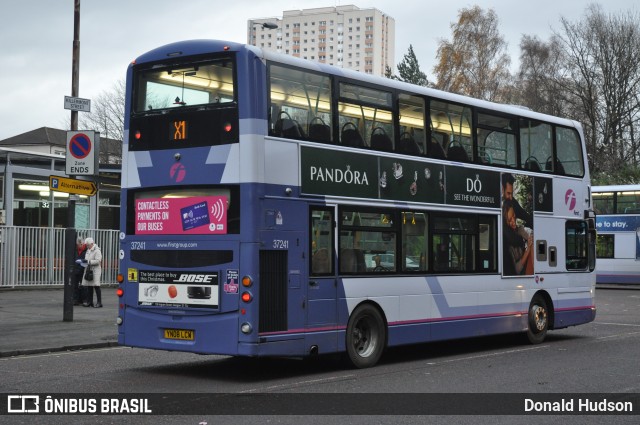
(70, 234)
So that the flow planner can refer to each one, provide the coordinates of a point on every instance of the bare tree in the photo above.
(540, 70)
(107, 117)
(475, 61)
(603, 64)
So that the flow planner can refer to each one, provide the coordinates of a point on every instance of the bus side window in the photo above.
(414, 242)
(464, 243)
(366, 117)
(321, 241)
(536, 145)
(368, 241)
(412, 128)
(497, 140)
(569, 152)
(454, 123)
(301, 104)
(576, 245)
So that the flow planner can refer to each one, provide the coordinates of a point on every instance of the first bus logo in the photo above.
(570, 199)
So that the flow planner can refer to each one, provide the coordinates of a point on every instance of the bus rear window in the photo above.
(184, 211)
(204, 83)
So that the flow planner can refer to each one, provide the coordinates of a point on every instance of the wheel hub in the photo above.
(539, 318)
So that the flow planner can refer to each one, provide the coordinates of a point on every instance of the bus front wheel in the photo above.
(538, 320)
(366, 336)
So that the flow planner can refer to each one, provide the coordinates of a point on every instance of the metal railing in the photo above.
(34, 256)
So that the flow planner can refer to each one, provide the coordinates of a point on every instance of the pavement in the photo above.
(32, 322)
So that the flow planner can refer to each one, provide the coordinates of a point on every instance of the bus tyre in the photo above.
(538, 320)
(366, 336)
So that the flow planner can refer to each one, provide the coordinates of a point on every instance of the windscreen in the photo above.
(180, 85)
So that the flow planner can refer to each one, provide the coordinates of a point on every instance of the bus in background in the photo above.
(274, 206)
(617, 211)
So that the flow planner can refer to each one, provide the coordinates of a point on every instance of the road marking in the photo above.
(59, 353)
(500, 353)
(619, 335)
(617, 324)
(299, 383)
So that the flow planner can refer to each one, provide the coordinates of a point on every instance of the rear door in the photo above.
(322, 290)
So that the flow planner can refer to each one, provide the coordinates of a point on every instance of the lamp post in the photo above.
(252, 28)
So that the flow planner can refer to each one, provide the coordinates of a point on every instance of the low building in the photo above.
(26, 163)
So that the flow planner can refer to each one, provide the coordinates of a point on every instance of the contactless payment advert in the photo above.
(198, 215)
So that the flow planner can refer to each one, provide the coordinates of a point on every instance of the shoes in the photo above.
(76, 303)
(87, 305)
(99, 305)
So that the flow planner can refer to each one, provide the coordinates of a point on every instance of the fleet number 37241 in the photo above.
(281, 244)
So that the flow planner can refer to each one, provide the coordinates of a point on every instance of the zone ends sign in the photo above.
(82, 159)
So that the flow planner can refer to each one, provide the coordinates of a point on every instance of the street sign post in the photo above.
(75, 186)
(77, 104)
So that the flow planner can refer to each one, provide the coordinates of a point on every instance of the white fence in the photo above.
(34, 256)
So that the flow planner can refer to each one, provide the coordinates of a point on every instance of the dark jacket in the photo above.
(80, 253)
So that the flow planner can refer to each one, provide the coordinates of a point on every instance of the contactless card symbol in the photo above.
(217, 209)
(218, 215)
(195, 216)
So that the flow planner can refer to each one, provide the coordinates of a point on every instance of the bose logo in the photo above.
(199, 278)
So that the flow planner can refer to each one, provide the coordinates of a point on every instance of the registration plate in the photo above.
(183, 334)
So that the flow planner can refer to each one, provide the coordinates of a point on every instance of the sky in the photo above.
(36, 39)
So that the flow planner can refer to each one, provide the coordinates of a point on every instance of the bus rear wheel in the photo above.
(538, 320)
(366, 336)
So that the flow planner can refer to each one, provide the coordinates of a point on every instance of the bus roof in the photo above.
(196, 47)
(616, 188)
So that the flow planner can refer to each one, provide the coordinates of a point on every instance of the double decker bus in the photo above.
(617, 209)
(274, 206)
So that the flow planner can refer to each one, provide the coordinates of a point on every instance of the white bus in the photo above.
(274, 206)
(618, 224)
